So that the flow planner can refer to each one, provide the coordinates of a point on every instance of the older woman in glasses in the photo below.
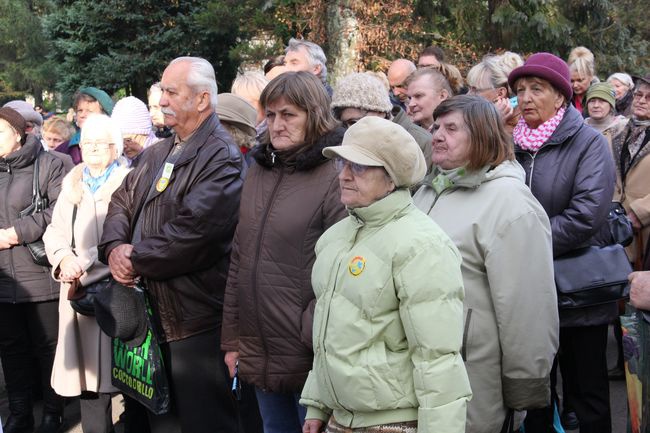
(389, 299)
(82, 362)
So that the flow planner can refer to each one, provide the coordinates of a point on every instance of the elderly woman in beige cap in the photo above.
(388, 319)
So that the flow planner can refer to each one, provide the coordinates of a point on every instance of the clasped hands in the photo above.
(119, 262)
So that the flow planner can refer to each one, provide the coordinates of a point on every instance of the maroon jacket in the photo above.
(269, 304)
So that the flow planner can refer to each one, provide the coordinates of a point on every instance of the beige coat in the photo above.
(82, 361)
(634, 194)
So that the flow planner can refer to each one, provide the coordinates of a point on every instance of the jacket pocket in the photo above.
(466, 328)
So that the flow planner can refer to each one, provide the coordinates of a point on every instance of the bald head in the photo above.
(398, 71)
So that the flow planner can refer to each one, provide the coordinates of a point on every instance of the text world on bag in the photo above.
(39, 204)
(592, 276)
(139, 371)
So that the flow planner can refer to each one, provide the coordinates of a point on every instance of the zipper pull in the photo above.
(272, 158)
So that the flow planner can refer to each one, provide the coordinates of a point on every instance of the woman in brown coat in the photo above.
(82, 362)
(290, 197)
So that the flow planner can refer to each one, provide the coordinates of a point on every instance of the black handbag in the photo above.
(39, 204)
(592, 276)
(620, 226)
(82, 298)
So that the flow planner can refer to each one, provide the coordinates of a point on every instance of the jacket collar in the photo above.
(311, 157)
(73, 188)
(383, 211)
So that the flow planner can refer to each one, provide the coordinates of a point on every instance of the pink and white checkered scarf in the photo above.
(532, 139)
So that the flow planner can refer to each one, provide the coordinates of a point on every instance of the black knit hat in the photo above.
(120, 313)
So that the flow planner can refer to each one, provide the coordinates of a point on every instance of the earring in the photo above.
(18, 139)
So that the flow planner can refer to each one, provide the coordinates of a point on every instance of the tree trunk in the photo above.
(342, 34)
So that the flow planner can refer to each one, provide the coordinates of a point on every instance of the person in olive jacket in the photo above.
(290, 198)
(184, 194)
(28, 295)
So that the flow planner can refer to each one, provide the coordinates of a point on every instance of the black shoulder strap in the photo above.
(36, 188)
(74, 218)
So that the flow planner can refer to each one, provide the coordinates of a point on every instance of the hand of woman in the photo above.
(640, 289)
(312, 426)
(504, 108)
(231, 359)
(8, 238)
(70, 269)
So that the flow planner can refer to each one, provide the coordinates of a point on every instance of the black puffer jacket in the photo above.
(21, 280)
(573, 177)
(269, 306)
(187, 228)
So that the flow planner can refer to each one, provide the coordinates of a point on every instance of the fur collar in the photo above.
(73, 189)
(306, 160)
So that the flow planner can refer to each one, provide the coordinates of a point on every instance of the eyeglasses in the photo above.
(641, 95)
(100, 145)
(356, 169)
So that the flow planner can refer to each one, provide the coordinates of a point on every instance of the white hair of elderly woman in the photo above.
(100, 123)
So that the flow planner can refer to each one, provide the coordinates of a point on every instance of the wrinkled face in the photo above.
(423, 99)
(641, 102)
(97, 149)
(53, 139)
(598, 108)
(155, 112)
(133, 144)
(428, 61)
(179, 103)
(298, 60)
(85, 108)
(580, 83)
(361, 185)
(287, 124)
(538, 100)
(619, 88)
(396, 77)
(9, 139)
(451, 141)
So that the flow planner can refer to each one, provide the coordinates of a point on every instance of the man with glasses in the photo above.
(170, 227)
(360, 94)
(631, 149)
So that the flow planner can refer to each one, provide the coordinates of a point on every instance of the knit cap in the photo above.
(14, 118)
(235, 109)
(132, 116)
(102, 97)
(604, 91)
(362, 91)
(26, 110)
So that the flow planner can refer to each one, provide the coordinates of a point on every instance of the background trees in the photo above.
(122, 46)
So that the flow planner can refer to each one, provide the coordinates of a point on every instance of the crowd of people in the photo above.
(377, 256)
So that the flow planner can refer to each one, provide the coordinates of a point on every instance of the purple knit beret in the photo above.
(547, 66)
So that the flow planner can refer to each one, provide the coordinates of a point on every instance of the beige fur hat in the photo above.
(363, 91)
(378, 142)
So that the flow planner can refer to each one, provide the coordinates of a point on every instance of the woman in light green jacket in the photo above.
(388, 319)
(478, 196)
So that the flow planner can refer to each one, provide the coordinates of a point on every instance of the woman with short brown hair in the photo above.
(290, 198)
(478, 196)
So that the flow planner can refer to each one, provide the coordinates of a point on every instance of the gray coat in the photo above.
(572, 175)
(21, 280)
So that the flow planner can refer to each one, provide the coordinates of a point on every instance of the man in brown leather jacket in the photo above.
(171, 224)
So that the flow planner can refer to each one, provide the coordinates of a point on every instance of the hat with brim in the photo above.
(120, 313)
(26, 110)
(377, 142)
(102, 97)
(13, 118)
(548, 67)
(638, 78)
(236, 110)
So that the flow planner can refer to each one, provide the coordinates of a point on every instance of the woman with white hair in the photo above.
(82, 362)
(623, 87)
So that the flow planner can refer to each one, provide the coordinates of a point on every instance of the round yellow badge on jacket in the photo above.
(162, 184)
(357, 265)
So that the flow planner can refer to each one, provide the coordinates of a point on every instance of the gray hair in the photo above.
(201, 77)
(315, 55)
(623, 78)
(101, 122)
(249, 83)
(493, 70)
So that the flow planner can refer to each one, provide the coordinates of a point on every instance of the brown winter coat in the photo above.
(634, 192)
(82, 361)
(269, 303)
(187, 228)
